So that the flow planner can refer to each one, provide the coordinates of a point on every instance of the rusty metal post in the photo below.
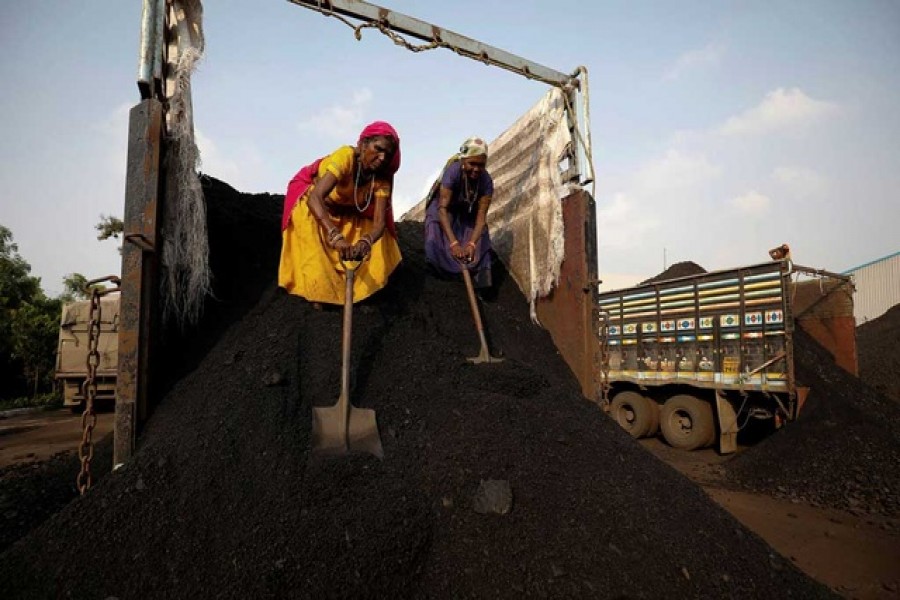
(139, 273)
(569, 311)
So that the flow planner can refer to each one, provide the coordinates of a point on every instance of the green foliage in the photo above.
(29, 324)
(109, 227)
(75, 288)
(16, 283)
(48, 401)
(35, 331)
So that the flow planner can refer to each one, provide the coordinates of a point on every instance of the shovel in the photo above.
(343, 428)
(485, 355)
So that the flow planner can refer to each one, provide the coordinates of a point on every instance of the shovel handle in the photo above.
(473, 302)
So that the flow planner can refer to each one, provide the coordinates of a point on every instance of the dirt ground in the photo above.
(37, 436)
(857, 556)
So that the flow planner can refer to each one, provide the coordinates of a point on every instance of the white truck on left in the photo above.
(72, 351)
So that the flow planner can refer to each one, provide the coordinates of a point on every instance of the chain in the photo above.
(604, 358)
(436, 42)
(89, 387)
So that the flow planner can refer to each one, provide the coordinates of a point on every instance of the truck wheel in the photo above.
(687, 422)
(633, 413)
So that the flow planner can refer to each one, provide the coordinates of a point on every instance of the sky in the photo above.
(719, 129)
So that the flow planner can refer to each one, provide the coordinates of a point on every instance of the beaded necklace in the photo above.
(356, 186)
(469, 197)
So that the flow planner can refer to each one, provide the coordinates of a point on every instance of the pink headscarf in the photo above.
(383, 128)
(305, 176)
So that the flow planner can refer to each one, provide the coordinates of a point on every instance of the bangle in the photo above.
(471, 244)
(454, 243)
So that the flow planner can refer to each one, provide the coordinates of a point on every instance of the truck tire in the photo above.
(687, 422)
(633, 413)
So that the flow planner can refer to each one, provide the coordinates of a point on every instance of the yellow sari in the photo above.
(309, 267)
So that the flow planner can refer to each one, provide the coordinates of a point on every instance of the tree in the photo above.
(35, 331)
(109, 227)
(19, 291)
(16, 283)
(75, 288)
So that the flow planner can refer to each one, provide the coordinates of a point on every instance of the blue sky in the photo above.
(720, 129)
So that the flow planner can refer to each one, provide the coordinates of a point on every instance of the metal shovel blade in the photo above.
(484, 356)
(335, 433)
(340, 429)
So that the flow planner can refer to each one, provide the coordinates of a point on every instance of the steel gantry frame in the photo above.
(392, 24)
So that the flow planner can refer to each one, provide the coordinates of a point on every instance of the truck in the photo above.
(72, 351)
(696, 357)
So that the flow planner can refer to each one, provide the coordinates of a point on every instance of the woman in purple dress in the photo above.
(456, 233)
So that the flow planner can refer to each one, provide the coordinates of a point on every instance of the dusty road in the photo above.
(857, 556)
(38, 436)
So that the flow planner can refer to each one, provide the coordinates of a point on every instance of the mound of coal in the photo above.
(223, 499)
(878, 349)
(32, 492)
(679, 269)
(842, 452)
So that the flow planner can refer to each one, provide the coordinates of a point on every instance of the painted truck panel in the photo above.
(713, 330)
(72, 349)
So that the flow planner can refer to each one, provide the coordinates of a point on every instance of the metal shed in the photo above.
(877, 287)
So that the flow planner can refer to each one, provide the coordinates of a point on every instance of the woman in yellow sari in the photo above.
(339, 209)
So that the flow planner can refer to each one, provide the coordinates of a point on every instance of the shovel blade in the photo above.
(483, 357)
(336, 435)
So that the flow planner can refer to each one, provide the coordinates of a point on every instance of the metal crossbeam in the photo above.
(465, 46)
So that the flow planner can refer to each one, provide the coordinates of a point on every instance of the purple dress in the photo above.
(463, 211)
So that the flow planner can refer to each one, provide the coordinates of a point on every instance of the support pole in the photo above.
(139, 273)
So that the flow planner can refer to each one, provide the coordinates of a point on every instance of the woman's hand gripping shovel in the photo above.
(485, 355)
(343, 428)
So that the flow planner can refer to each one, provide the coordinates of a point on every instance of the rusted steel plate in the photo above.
(138, 279)
(568, 311)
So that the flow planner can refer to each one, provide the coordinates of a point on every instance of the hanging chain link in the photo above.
(89, 387)
(603, 322)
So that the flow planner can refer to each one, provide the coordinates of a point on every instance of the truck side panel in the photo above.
(72, 349)
(722, 330)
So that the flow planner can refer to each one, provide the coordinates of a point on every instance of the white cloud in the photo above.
(657, 190)
(340, 121)
(752, 204)
(675, 172)
(708, 56)
(241, 167)
(624, 223)
(405, 199)
(780, 109)
(800, 181)
(213, 162)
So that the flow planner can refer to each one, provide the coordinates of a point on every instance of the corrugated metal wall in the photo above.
(877, 287)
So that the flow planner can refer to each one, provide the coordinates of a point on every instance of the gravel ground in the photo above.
(498, 480)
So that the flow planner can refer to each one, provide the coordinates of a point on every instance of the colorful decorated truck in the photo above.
(697, 357)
